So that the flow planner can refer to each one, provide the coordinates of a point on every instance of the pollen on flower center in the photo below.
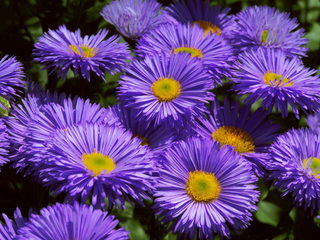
(208, 27)
(277, 80)
(203, 186)
(166, 89)
(87, 51)
(144, 139)
(312, 164)
(229, 135)
(98, 162)
(264, 36)
(194, 51)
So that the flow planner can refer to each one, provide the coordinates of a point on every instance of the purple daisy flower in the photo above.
(209, 18)
(63, 50)
(40, 116)
(204, 187)
(98, 159)
(63, 221)
(11, 75)
(262, 27)
(166, 90)
(295, 167)
(216, 55)
(4, 144)
(133, 18)
(8, 230)
(157, 138)
(277, 80)
(250, 135)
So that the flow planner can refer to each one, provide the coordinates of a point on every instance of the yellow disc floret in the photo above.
(235, 137)
(315, 163)
(166, 89)
(264, 36)
(203, 186)
(144, 139)
(98, 162)
(87, 51)
(194, 51)
(274, 78)
(208, 27)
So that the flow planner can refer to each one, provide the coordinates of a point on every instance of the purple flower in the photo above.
(133, 18)
(39, 116)
(209, 18)
(171, 39)
(63, 221)
(234, 126)
(166, 90)
(295, 167)
(8, 230)
(277, 80)
(62, 50)
(11, 75)
(263, 27)
(204, 187)
(95, 160)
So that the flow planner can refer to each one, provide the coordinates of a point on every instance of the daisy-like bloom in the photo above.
(172, 39)
(231, 125)
(8, 230)
(199, 12)
(204, 187)
(11, 75)
(63, 50)
(63, 221)
(295, 166)
(98, 161)
(4, 143)
(46, 113)
(166, 90)
(262, 26)
(156, 138)
(277, 80)
(133, 18)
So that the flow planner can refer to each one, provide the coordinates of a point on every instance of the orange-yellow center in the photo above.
(97, 162)
(277, 80)
(203, 186)
(235, 137)
(87, 51)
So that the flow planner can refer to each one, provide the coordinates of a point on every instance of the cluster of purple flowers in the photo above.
(168, 137)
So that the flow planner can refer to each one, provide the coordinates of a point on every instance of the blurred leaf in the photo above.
(313, 36)
(136, 230)
(268, 213)
(263, 187)
(4, 112)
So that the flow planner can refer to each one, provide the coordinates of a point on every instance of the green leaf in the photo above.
(136, 230)
(268, 213)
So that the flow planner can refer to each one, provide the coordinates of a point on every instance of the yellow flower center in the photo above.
(98, 162)
(144, 140)
(315, 163)
(208, 27)
(264, 36)
(235, 137)
(166, 89)
(203, 186)
(87, 51)
(273, 78)
(194, 51)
